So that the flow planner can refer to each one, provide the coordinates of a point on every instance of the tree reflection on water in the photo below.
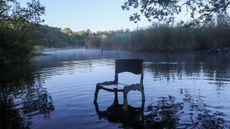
(22, 96)
(189, 113)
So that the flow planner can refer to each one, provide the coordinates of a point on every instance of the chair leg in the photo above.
(96, 93)
(143, 95)
(125, 100)
(143, 99)
(115, 98)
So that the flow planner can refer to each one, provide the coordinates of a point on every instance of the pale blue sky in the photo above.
(96, 15)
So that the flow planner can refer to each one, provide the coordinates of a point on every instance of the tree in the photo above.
(17, 28)
(11, 10)
(67, 31)
(200, 11)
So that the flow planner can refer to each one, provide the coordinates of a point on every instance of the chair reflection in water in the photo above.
(134, 66)
(131, 117)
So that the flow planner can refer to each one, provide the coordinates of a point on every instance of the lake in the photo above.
(56, 91)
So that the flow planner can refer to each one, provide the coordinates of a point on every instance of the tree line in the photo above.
(167, 38)
(158, 37)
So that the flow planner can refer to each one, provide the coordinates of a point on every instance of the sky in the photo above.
(96, 15)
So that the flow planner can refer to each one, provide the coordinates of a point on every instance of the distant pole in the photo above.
(101, 51)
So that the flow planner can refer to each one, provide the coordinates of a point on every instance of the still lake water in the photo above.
(57, 91)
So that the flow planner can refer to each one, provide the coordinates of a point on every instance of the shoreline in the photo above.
(48, 51)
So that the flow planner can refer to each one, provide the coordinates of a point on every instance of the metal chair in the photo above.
(134, 66)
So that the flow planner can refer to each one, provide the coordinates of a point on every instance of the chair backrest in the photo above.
(134, 66)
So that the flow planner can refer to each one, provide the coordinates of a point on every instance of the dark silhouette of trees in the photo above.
(200, 11)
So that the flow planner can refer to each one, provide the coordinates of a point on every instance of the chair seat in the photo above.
(113, 86)
(118, 86)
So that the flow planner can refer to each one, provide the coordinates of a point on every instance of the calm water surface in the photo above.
(57, 91)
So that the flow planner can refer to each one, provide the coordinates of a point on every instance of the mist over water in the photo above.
(57, 90)
(87, 54)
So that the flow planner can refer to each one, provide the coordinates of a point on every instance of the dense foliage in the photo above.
(171, 38)
(17, 25)
(53, 37)
(199, 11)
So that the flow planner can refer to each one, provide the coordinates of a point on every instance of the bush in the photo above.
(15, 46)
